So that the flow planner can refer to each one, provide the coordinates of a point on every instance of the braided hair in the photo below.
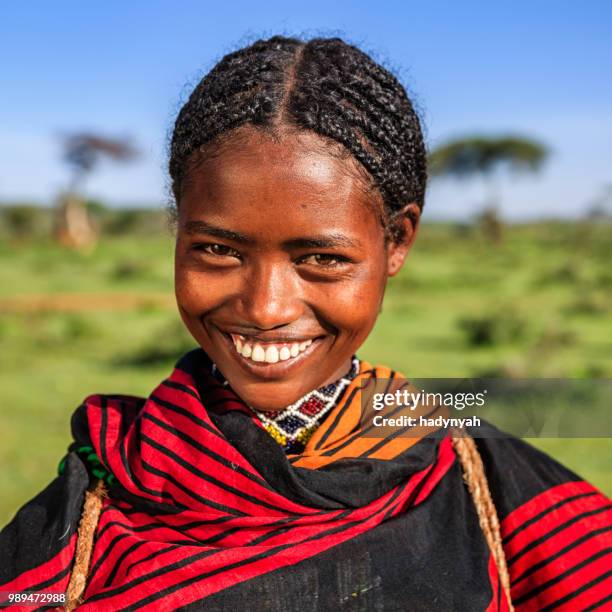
(324, 86)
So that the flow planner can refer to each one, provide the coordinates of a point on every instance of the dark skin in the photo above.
(278, 243)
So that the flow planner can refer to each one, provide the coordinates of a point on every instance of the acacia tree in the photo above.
(82, 152)
(466, 158)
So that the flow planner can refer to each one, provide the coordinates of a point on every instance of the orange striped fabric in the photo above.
(348, 431)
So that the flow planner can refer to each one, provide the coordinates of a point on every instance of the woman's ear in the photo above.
(397, 251)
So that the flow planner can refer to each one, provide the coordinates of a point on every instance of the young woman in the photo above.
(247, 478)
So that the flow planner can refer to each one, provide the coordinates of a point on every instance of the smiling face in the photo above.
(281, 263)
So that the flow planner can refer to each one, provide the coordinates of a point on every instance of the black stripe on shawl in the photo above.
(566, 574)
(597, 605)
(548, 560)
(185, 437)
(172, 384)
(121, 559)
(179, 485)
(103, 427)
(107, 551)
(544, 512)
(207, 477)
(81, 436)
(555, 531)
(184, 412)
(151, 556)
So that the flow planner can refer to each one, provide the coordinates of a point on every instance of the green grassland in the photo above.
(538, 304)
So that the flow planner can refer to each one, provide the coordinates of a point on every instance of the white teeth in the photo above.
(258, 353)
(271, 354)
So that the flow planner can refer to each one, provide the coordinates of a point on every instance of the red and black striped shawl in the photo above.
(206, 512)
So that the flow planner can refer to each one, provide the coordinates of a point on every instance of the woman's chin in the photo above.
(268, 397)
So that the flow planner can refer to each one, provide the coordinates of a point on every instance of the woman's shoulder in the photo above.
(518, 473)
(524, 479)
(555, 527)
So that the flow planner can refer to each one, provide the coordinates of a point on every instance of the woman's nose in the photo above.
(271, 296)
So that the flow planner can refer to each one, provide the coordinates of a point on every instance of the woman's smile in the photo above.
(255, 350)
(272, 360)
(281, 264)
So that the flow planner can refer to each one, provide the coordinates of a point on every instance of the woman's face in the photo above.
(281, 264)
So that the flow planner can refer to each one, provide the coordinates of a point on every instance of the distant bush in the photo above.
(96, 208)
(123, 222)
(129, 269)
(566, 273)
(463, 230)
(505, 369)
(586, 304)
(24, 221)
(555, 335)
(57, 329)
(493, 328)
(594, 370)
(120, 222)
(604, 279)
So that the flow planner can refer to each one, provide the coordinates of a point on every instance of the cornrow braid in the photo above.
(325, 86)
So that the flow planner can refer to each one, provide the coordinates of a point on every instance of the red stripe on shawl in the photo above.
(554, 567)
(225, 473)
(594, 573)
(549, 549)
(560, 528)
(203, 488)
(446, 456)
(595, 597)
(45, 572)
(543, 502)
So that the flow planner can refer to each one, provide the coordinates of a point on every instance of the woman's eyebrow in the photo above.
(201, 227)
(326, 241)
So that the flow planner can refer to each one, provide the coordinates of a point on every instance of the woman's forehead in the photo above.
(295, 177)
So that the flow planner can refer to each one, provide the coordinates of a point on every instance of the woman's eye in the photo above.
(325, 260)
(220, 250)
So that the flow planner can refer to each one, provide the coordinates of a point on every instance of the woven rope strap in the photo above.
(476, 480)
(85, 541)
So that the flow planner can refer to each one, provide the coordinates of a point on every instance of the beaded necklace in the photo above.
(293, 426)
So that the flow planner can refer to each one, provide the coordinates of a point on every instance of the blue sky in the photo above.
(122, 68)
